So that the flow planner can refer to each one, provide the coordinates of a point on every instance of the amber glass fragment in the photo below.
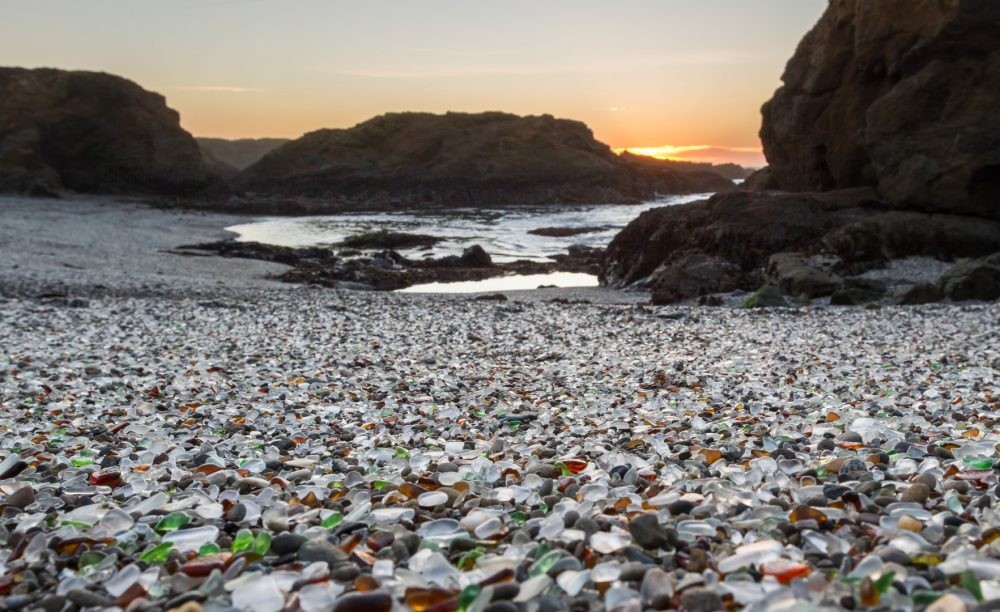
(422, 600)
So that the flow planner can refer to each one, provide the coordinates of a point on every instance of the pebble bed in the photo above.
(306, 450)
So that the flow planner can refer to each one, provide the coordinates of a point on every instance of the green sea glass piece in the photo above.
(171, 522)
(158, 554)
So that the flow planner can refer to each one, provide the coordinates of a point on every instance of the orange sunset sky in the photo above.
(688, 75)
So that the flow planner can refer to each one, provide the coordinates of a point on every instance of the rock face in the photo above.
(388, 270)
(464, 159)
(969, 279)
(796, 274)
(742, 228)
(883, 143)
(241, 153)
(91, 132)
(737, 240)
(899, 95)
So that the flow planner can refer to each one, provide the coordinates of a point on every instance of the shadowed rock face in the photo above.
(884, 142)
(91, 132)
(900, 95)
(724, 244)
(464, 159)
(739, 230)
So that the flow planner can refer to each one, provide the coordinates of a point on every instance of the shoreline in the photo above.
(89, 246)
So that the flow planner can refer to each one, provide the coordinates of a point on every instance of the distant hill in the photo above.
(92, 132)
(733, 172)
(241, 153)
(464, 159)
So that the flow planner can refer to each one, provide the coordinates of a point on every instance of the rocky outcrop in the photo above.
(695, 274)
(969, 279)
(463, 159)
(796, 274)
(388, 270)
(883, 143)
(240, 153)
(899, 95)
(742, 228)
(737, 240)
(92, 132)
(767, 296)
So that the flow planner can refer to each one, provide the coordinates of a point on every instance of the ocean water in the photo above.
(515, 282)
(503, 232)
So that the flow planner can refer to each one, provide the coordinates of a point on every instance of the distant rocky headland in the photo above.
(93, 133)
(241, 153)
(883, 143)
(97, 133)
(407, 159)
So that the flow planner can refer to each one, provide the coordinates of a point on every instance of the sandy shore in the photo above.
(88, 246)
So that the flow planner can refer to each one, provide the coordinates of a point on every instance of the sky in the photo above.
(682, 78)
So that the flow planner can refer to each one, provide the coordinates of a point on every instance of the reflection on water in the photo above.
(507, 283)
(504, 233)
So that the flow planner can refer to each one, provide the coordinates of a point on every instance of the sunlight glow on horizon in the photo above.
(635, 71)
(752, 157)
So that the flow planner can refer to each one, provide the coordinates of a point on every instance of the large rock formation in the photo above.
(91, 132)
(240, 153)
(883, 142)
(464, 159)
(900, 95)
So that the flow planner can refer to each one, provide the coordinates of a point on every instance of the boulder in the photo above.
(475, 256)
(973, 279)
(924, 293)
(92, 132)
(796, 274)
(895, 234)
(743, 228)
(759, 181)
(693, 275)
(767, 296)
(899, 95)
(387, 239)
(581, 259)
(857, 292)
(747, 236)
(967, 280)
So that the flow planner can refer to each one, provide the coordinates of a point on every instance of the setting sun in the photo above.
(752, 157)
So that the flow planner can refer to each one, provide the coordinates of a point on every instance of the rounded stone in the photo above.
(647, 532)
(701, 600)
(917, 492)
(319, 549)
(286, 543)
